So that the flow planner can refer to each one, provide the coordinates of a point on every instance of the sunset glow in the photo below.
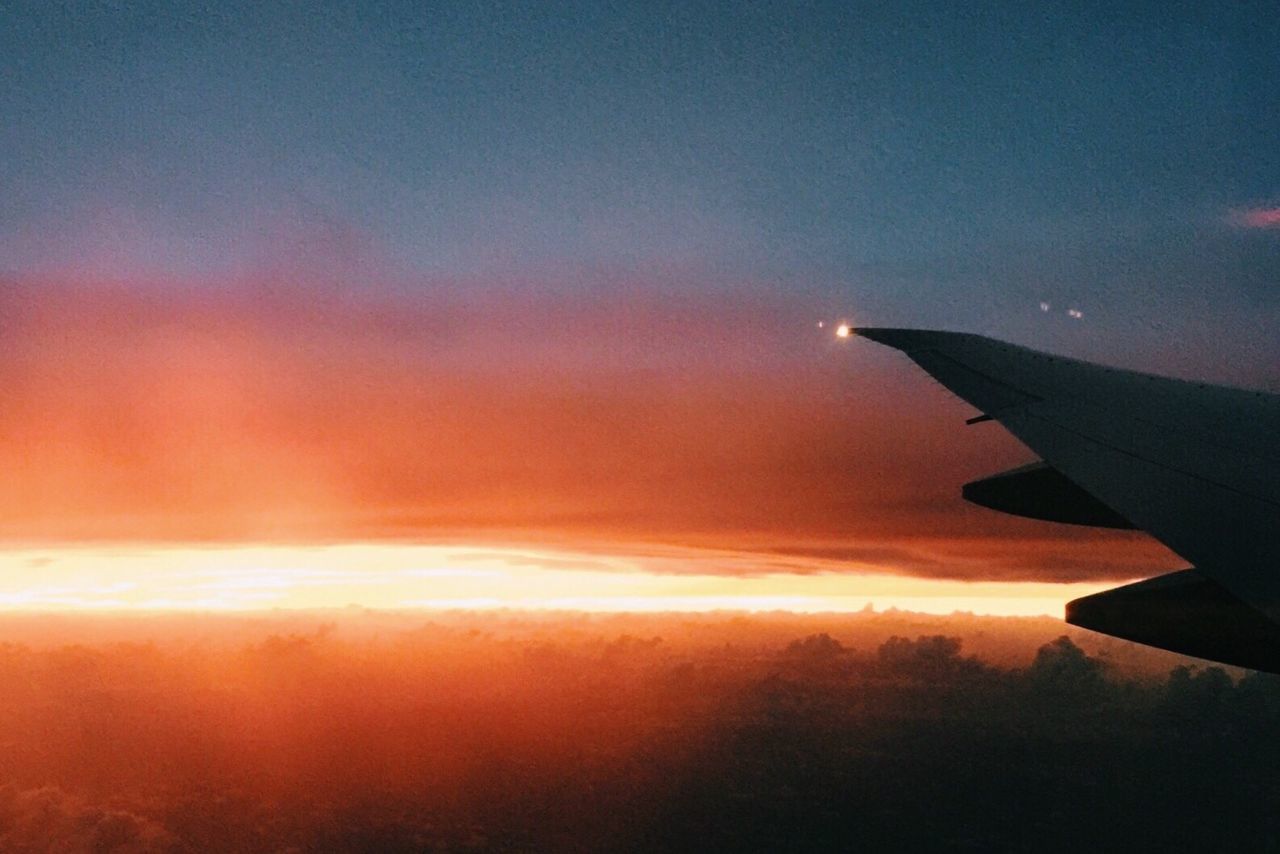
(259, 413)
(449, 426)
(441, 577)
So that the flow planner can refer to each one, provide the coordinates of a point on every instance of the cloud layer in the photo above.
(283, 410)
(392, 733)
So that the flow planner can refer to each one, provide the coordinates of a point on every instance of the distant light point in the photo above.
(843, 331)
(1075, 312)
(821, 324)
(1044, 306)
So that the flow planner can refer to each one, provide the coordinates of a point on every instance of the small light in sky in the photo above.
(1075, 313)
(821, 324)
(843, 331)
(1044, 306)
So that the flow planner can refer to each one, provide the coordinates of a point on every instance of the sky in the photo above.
(507, 274)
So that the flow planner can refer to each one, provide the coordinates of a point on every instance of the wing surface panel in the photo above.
(1195, 465)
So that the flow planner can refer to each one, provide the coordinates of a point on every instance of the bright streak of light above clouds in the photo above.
(456, 577)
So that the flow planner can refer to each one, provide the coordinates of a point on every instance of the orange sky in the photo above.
(272, 414)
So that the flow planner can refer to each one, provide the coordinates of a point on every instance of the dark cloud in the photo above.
(48, 819)
(928, 657)
(390, 732)
(908, 560)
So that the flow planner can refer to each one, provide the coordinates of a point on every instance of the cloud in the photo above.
(48, 819)
(1257, 218)
(377, 731)
(269, 409)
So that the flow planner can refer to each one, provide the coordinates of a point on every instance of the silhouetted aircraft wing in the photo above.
(1195, 465)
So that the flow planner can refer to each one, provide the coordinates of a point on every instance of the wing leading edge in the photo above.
(1195, 465)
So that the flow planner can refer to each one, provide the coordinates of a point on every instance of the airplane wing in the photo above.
(1195, 465)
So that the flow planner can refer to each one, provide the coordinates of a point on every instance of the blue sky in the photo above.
(927, 163)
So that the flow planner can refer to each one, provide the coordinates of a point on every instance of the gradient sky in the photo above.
(281, 272)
